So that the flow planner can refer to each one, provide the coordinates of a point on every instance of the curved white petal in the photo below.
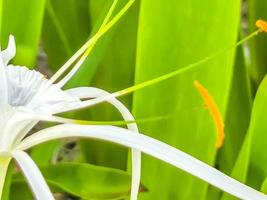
(5, 56)
(3, 83)
(6, 113)
(91, 92)
(11, 124)
(14, 126)
(33, 175)
(18, 132)
(149, 146)
(10, 51)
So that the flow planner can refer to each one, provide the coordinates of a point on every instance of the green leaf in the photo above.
(251, 165)
(235, 152)
(90, 66)
(43, 153)
(81, 180)
(234, 155)
(175, 34)
(257, 131)
(240, 168)
(264, 186)
(66, 27)
(24, 21)
(239, 107)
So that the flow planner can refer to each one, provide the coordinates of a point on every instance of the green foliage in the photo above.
(257, 131)
(153, 38)
(239, 107)
(64, 30)
(24, 21)
(80, 180)
(165, 44)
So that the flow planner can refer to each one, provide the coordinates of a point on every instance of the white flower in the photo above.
(28, 97)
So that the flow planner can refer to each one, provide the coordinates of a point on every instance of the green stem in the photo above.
(4, 163)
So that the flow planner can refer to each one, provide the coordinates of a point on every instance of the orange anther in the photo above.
(214, 111)
(262, 25)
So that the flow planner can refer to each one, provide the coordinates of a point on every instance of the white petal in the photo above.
(52, 101)
(13, 125)
(6, 113)
(90, 92)
(3, 83)
(10, 51)
(149, 146)
(33, 175)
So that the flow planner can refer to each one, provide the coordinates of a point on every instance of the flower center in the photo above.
(23, 84)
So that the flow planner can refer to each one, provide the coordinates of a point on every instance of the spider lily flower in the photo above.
(21, 108)
(27, 97)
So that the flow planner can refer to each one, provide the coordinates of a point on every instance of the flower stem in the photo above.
(4, 163)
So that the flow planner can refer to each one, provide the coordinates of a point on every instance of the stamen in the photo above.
(262, 25)
(90, 47)
(87, 47)
(214, 111)
(164, 77)
(87, 122)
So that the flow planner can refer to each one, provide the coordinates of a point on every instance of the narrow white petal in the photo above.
(14, 126)
(3, 83)
(151, 147)
(33, 175)
(10, 51)
(6, 113)
(91, 92)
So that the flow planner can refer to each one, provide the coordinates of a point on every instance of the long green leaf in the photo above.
(175, 34)
(239, 107)
(80, 180)
(90, 66)
(24, 21)
(258, 128)
(66, 27)
(251, 163)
